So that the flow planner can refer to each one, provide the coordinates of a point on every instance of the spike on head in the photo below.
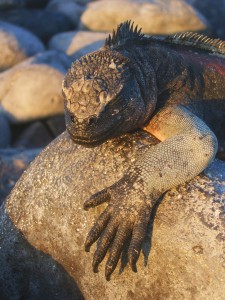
(124, 34)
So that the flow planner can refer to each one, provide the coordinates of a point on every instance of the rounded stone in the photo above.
(32, 89)
(16, 45)
(69, 8)
(7, 4)
(41, 22)
(182, 256)
(13, 162)
(155, 17)
(77, 43)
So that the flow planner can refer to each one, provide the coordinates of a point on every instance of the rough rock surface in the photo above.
(16, 44)
(77, 43)
(43, 226)
(155, 17)
(32, 89)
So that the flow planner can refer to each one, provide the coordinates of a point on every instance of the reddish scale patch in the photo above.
(207, 61)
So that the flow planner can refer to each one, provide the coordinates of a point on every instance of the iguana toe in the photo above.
(97, 199)
(104, 243)
(121, 238)
(138, 235)
(97, 229)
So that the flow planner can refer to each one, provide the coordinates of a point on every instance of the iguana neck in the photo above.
(146, 77)
(159, 71)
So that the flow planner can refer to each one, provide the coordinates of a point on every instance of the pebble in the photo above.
(155, 17)
(32, 89)
(77, 43)
(16, 44)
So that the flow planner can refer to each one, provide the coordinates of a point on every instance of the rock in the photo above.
(34, 136)
(82, 2)
(36, 3)
(42, 23)
(56, 125)
(154, 16)
(183, 256)
(214, 13)
(6, 4)
(12, 164)
(32, 89)
(16, 45)
(41, 133)
(77, 43)
(9, 4)
(5, 135)
(69, 8)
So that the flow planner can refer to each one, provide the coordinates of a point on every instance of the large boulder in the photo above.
(43, 228)
(154, 16)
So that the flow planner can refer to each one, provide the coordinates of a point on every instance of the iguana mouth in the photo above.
(92, 141)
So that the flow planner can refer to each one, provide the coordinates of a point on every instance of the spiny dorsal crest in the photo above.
(124, 34)
(198, 41)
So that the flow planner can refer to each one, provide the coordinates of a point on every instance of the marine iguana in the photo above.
(172, 87)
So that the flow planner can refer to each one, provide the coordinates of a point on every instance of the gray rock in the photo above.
(9, 4)
(41, 22)
(214, 12)
(154, 16)
(32, 89)
(183, 255)
(77, 43)
(69, 8)
(34, 136)
(13, 162)
(16, 45)
(6, 4)
(40, 133)
(56, 125)
(36, 3)
(5, 131)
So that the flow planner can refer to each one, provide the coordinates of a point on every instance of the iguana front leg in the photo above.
(187, 147)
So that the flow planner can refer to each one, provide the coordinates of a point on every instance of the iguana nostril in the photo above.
(92, 120)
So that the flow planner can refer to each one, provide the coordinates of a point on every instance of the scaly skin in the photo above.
(173, 89)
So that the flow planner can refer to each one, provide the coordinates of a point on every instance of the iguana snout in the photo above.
(102, 98)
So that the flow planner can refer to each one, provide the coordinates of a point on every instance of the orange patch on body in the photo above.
(154, 130)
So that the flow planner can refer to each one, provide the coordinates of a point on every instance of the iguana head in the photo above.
(102, 97)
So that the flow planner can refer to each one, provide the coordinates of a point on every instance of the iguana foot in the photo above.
(127, 215)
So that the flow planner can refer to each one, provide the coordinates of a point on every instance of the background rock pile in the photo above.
(39, 39)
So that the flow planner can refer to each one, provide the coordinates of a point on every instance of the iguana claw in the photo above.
(126, 216)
